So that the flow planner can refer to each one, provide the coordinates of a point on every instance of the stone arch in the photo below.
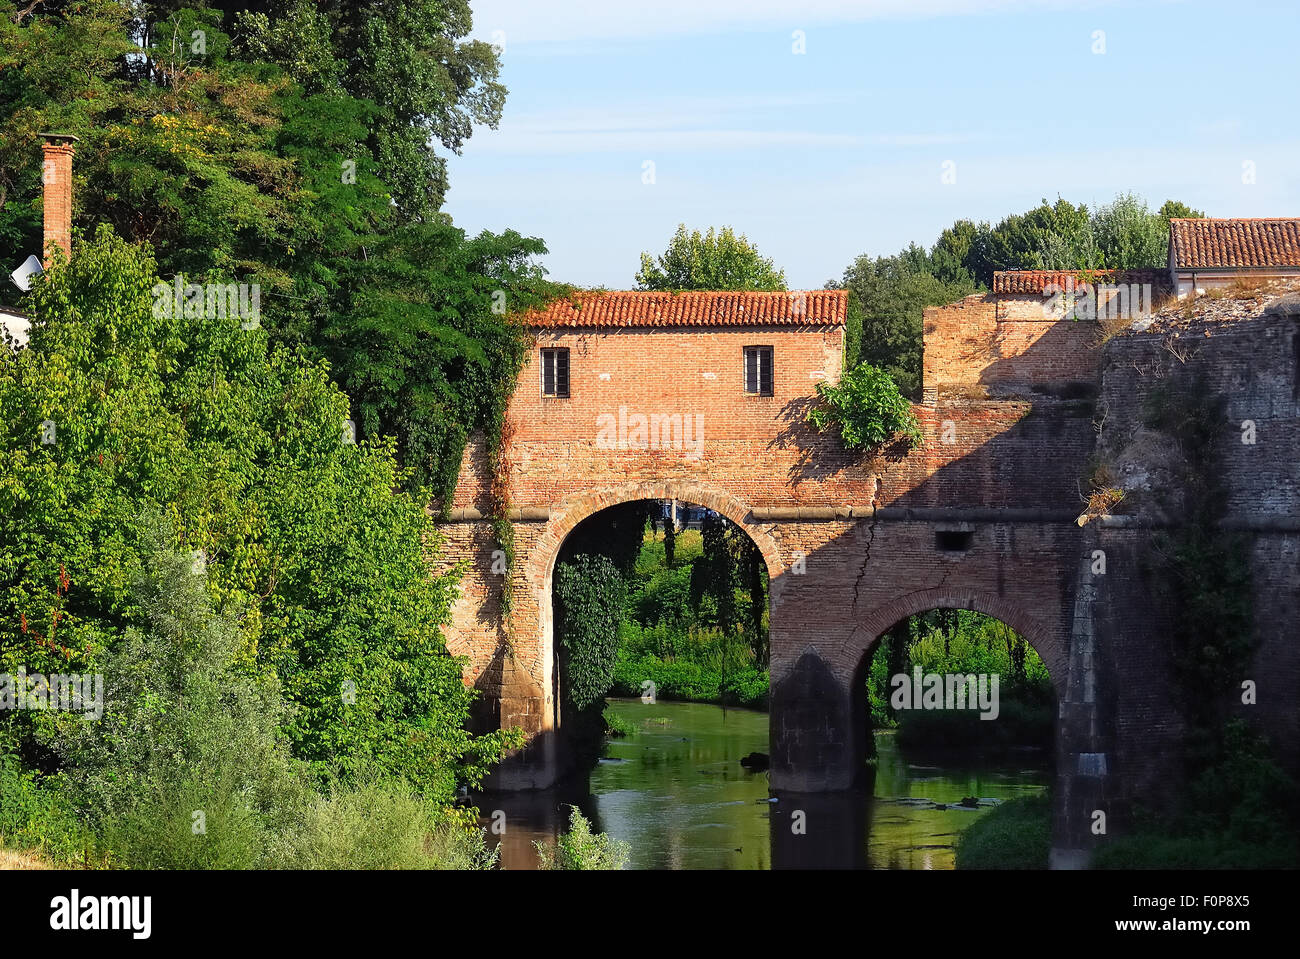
(545, 550)
(819, 732)
(574, 509)
(1046, 639)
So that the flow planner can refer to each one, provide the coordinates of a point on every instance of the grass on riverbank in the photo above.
(1015, 835)
(21, 859)
(687, 679)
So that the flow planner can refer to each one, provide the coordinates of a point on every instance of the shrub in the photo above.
(689, 681)
(311, 542)
(865, 409)
(580, 848)
(616, 726)
(379, 826)
(1018, 723)
(1151, 851)
(189, 768)
(1015, 835)
(1241, 812)
(36, 813)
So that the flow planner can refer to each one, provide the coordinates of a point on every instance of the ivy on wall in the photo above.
(589, 594)
(1201, 571)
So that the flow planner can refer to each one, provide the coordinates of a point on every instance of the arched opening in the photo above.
(956, 710)
(666, 775)
(656, 599)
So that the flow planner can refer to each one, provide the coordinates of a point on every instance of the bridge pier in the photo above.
(813, 740)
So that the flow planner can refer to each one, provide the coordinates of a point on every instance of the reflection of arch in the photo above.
(1040, 636)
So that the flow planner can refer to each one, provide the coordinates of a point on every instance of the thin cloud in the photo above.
(528, 23)
(690, 124)
(653, 142)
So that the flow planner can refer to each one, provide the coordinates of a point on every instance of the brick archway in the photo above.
(572, 511)
(819, 729)
(545, 550)
(1045, 641)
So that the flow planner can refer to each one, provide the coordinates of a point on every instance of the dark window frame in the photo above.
(556, 368)
(762, 380)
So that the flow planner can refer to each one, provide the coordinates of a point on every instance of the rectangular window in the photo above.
(555, 372)
(758, 370)
(952, 541)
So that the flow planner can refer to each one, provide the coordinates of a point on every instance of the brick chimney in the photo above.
(56, 174)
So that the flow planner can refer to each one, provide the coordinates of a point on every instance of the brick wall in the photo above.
(1002, 344)
(1252, 363)
(756, 453)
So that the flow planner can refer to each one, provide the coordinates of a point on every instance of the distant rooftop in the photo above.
(1203, 244)
(1035, 281)
(714, 308)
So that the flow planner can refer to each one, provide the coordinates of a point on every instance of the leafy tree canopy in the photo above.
(287, 145)
(889, 293)
(716, 260)
(310, 545)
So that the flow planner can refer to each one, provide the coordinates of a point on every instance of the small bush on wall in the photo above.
(865, 409)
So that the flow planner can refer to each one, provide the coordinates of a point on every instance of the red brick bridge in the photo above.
(702, 397)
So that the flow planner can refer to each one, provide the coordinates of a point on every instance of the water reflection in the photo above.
(675, 790)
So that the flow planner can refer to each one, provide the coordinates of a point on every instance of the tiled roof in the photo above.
(704, 308)
(1034, 281)
(1206, 244)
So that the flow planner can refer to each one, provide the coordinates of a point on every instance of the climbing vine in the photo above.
(503, 530)
(590, 593)
(1202, 571)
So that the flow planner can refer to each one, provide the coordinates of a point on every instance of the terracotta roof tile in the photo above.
(702, 308)
(1243, 244)
(1035, 281)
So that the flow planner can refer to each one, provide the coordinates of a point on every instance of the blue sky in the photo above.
(841, 150)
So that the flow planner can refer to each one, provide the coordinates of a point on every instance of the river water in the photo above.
(676, 792)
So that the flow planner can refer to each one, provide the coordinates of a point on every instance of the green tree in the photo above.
(426, 340)
(189, 767)
(714, 576)
(716, 260)
(310, 542)
(1175, 209)
(290, 149)
(1021, 240)
(410, 58)
(1129, 236)
(891, 294)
